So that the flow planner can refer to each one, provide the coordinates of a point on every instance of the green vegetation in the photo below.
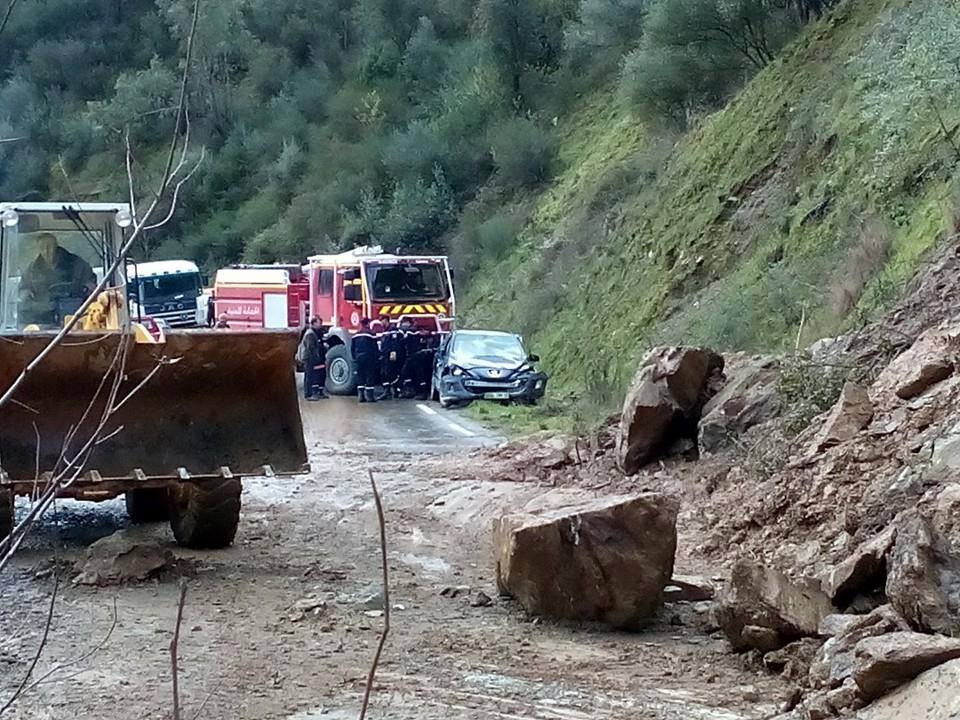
(607, 174)
(800, 208)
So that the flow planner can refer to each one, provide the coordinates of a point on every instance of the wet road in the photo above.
(391, 427)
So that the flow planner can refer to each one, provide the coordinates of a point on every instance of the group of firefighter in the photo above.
(391, 360)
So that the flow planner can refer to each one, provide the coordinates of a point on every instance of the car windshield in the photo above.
(477, 349)
(407, 281)
(164, 286)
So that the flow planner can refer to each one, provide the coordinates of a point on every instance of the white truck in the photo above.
(167, 290)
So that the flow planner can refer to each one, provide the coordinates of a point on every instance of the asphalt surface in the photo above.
(392, 427)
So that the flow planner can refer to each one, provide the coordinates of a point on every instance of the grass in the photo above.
(731, 234)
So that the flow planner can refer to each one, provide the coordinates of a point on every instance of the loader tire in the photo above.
(6, 513)
(341, 373)
(148, 505)
(205, 515)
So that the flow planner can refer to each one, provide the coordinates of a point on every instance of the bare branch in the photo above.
(181, 102)
(6, 15)
(43, 643)
(174, 647)
(59, 667)
(386, 598)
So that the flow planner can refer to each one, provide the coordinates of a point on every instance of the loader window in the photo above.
(407, 281)
(47, 273)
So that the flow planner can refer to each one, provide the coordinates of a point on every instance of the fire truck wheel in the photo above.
(6, 513)
(206, 515)
(148, 505)
(341, 378)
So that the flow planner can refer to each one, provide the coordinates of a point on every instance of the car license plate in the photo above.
(496, 396)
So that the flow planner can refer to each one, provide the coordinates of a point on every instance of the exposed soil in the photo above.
(247, 651)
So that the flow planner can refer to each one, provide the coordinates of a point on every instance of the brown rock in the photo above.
(793, 661)
(923, 579)
(845, 698)
(760, 638)
(923, 377)
(663, 403)
(120, 558)
(932, 696)
(852, 412)
(837, 624)
(886, 662)
(834, 662)
(863, 570)
(928, 361)
(607, 560)
(688, 588)
(748, 397)
(763, 597)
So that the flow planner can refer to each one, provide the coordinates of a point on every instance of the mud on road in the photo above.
(284, 624)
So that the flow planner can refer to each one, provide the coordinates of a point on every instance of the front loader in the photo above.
(172, 419)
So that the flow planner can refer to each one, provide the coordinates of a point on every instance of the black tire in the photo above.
(6, 513)
(205, 515)
(148, 505)
(341, 373)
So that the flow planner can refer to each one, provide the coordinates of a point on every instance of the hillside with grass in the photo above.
(795, 212)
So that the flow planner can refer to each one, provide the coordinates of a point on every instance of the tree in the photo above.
(520, 37)
(751, 30)
(605, 26)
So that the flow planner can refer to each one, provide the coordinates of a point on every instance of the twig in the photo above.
(6, 15)
(803, 319)
(58, 667)
(174, 647)
(43, 643)
(386, 597)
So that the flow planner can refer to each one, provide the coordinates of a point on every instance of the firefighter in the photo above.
(417, 372)
(313, 355)
(366, 357)
(391, 360)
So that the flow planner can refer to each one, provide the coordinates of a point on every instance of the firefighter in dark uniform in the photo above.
(391, 361)
(413, 342)
(366, 358)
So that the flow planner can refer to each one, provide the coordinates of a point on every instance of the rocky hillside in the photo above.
(834, 537)
(798, 211)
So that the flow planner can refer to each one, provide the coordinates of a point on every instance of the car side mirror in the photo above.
(533, 358)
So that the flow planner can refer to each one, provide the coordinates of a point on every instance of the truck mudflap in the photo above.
(208, 404)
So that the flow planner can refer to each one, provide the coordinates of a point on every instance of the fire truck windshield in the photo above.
(407, 281)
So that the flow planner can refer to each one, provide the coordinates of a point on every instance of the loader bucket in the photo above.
(218, 400)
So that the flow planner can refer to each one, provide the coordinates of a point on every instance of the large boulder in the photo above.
(886, 662)
(932, 696)
(748, 397)
(923, 578)
(664, 402)
(763, 609)
(852, 412)
(606, 560)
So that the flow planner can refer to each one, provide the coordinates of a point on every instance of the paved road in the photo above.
(392, 426)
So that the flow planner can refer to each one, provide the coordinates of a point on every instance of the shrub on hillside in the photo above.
(522, 152)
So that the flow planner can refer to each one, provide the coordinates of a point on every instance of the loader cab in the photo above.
(48, 256)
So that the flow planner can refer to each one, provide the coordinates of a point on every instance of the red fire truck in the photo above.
(262, 296)
(366, 282)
